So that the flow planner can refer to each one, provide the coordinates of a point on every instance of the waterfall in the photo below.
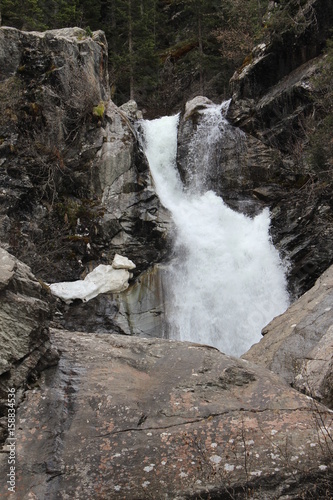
(226, 281)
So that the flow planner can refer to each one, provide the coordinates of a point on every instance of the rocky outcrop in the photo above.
(278, 116)
(133, 222)
(238, 163)
(272, 91)
(298, 345)
(75, 185)
(24, 333)
(140, 310)
(135, 418)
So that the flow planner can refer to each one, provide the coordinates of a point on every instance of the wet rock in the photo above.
(139, 310)
(275, 97)
(194, 106)
(239, 164)
(302, 230)
(132, 418)
(298, 345)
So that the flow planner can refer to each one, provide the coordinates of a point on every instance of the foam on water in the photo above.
(227, 281)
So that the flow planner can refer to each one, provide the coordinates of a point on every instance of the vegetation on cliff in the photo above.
(161, 52)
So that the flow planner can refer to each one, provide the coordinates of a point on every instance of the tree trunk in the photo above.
(200, 52)
(130, 49)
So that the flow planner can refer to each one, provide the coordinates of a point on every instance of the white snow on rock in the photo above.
(120, 262)
(102, 279)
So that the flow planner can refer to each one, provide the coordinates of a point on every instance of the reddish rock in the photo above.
(128, 418)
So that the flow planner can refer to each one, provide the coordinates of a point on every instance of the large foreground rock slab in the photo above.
(298, 345)
(128, 418)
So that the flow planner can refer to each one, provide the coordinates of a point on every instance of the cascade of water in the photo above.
(227, 280)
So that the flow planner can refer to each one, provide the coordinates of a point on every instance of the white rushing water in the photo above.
(226, 281)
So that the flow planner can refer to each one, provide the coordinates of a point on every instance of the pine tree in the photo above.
(23, 14)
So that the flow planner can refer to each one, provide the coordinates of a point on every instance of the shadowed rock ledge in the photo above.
(25, 347)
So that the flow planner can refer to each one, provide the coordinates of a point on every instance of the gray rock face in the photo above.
(271, 90)
(276, 117)
(139, 311)
(298, 345)
(134, 223)
(238, 162)
(274, 95)
(133, 418)
(49, 90)
(75, 186)
(24, 334)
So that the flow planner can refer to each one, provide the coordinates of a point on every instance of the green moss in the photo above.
(70, 210)
(99, 110)
(67, 211)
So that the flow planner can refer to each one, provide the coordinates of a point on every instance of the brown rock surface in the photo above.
(298, 345)
(128, 418)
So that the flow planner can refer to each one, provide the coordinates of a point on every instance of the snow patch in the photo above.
(103, 279)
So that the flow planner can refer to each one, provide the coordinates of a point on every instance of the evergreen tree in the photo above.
(23, 14)
(133, 56)
(156, 47)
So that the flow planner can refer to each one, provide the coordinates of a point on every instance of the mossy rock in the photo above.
(99, 110)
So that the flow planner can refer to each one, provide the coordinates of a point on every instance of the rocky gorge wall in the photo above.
(75, 187)
(121, 416)
(276, 98)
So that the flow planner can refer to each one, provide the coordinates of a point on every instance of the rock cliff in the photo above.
(276, 99)
(272, 91)
(75, 187)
